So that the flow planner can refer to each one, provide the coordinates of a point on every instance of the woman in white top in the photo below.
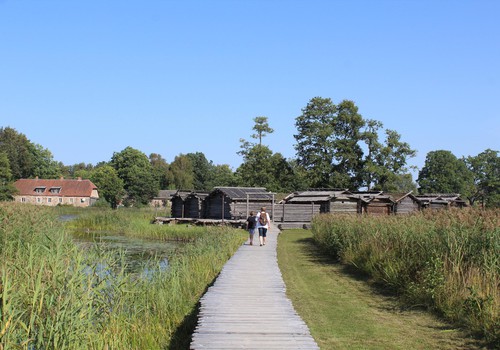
(263, 222)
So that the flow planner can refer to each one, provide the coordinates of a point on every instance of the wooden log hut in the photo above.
(405, 203)
(232, 203)
(299, 208)
(178, 209)
(435, 201)
(194, 204)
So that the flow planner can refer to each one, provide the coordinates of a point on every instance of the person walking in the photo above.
(251, 223)
(263, 224)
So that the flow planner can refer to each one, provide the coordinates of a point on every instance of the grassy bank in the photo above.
(448, 261)
(55, 296)
(343, 311)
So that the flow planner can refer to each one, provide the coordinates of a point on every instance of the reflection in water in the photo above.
(141, 256)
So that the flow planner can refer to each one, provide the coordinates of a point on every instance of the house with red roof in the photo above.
(76, 192)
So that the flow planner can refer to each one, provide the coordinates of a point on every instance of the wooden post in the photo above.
(222, 206)
(272, 208)
(248, 205)
(283, 217)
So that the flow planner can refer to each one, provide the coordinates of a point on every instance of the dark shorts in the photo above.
(262, 232)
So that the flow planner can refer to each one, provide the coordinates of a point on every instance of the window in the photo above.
(38, 200)
(23, 200)
(40, 189)
(55, 190)
(60, 200)
(49, 200)
(71, 200)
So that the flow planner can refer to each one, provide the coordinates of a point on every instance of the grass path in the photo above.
(344, 312)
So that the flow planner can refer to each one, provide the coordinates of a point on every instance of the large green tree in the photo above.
(390, 171)
(7, 190)
(443, 172)
(136, 172)
(109, 184)
(19, 151)
(202, 170)
(44, 165)
(221, 175)
(314, 147)
(181, 173)
(336, 147)
(347, 137)
(160, 170)
(257, 168)
(485, 168)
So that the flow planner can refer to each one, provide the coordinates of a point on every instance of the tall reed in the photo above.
(56, 296)
(448, 260)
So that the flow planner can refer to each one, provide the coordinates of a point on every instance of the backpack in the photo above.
(263, 218)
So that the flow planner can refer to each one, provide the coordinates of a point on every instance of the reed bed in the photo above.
(448, 261)
(132, 222)
(56, 296)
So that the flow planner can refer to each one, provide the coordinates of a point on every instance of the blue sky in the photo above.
(88, 78)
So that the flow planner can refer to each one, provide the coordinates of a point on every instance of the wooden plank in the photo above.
(247, 307)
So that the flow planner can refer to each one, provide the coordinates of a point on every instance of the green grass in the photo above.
(343, 311)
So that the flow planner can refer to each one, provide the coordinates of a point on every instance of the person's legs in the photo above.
(260, 235)
(251, 233)
(264, 235)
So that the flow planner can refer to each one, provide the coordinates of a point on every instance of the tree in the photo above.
(19, 152)
(262, 128)
(221, 175)
(7, 190)
(181, 170)
(160, 170)
(257, 168)
(202, 170)
(444, 173)
(109, 184)
(44, 165)
(485, 168)
(346, 138)
(390, 172)
(314, 147)
(136, 172)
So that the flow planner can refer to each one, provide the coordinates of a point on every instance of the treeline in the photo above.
(335, 148)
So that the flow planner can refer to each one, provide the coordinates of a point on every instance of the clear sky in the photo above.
(86, 78)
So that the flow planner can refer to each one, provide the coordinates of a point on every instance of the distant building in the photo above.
(79, 193)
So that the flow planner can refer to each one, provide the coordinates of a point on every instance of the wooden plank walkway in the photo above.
(247, 307)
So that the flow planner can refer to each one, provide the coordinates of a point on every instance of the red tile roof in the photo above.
(68, 187)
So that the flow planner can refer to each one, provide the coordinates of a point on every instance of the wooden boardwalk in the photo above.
(247, 307)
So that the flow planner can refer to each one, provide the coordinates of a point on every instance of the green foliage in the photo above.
(485, 168)
(135, 170)
(444, 173)
(221, 175)
(314, 147)
(19, 151)
(336, 147)
(160, 170)
(7, 190)
(182, 172)
(202, 171)
(261, 128)
(109, 184)
(44, 165)
(448, 261)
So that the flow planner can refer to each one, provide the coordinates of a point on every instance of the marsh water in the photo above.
(140, 256)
